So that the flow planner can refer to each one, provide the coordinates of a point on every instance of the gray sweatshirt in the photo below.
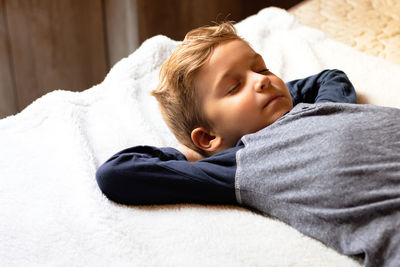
(332, 171)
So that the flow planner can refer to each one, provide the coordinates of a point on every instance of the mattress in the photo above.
(371, 26)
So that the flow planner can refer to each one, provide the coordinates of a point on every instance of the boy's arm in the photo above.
(150, 175)
(326, 86)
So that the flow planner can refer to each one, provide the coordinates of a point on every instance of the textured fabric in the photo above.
(332, 171)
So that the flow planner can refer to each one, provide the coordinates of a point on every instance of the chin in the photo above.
(277, 116)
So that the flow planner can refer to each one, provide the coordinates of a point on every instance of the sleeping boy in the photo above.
(303, 151)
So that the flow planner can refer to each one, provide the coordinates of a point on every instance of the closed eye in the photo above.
(263, 70)
(233, 89)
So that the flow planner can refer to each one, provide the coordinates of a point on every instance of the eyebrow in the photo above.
(227, 73)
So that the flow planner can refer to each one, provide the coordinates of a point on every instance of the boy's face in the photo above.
(238, 94)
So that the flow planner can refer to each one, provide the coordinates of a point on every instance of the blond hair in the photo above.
(175, 92)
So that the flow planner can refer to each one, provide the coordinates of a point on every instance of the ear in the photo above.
(205, 139)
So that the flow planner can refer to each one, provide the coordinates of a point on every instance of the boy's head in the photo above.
(214, 89)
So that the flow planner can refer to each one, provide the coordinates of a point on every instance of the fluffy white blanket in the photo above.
(53, 214)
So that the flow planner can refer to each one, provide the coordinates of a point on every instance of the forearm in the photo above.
(148, 175)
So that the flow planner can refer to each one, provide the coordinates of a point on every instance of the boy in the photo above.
(330, 170)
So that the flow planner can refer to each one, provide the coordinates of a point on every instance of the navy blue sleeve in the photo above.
(326, 86)
(148, 175)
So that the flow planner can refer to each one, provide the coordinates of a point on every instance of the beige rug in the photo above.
(371, 26)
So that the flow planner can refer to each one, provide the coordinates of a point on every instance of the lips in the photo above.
(272, 100)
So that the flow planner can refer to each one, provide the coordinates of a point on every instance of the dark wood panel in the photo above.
(8, 101)
(174, 18)
(56, 45)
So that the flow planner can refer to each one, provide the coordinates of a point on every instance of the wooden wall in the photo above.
(71, 44)
(63, 44)
(50, 45)
(8, 98)
(175, 18)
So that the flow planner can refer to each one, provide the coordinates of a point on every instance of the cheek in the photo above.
(241, 111)
(223, 116)
(232, 110)
(215, 111)
(238, 105)
(281, 84)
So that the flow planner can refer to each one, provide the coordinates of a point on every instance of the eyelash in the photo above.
(231, 91)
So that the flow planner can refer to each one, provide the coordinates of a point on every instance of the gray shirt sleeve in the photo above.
(332, 171)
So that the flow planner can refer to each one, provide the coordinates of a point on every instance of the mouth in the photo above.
(272, 100)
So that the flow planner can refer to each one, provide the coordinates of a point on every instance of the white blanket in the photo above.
(53, 214)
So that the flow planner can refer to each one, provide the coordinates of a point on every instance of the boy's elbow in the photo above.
(104, 176)
(119, 184)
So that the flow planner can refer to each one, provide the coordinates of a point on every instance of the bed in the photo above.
(53, 214)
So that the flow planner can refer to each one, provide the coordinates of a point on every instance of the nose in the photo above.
(262, 82)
